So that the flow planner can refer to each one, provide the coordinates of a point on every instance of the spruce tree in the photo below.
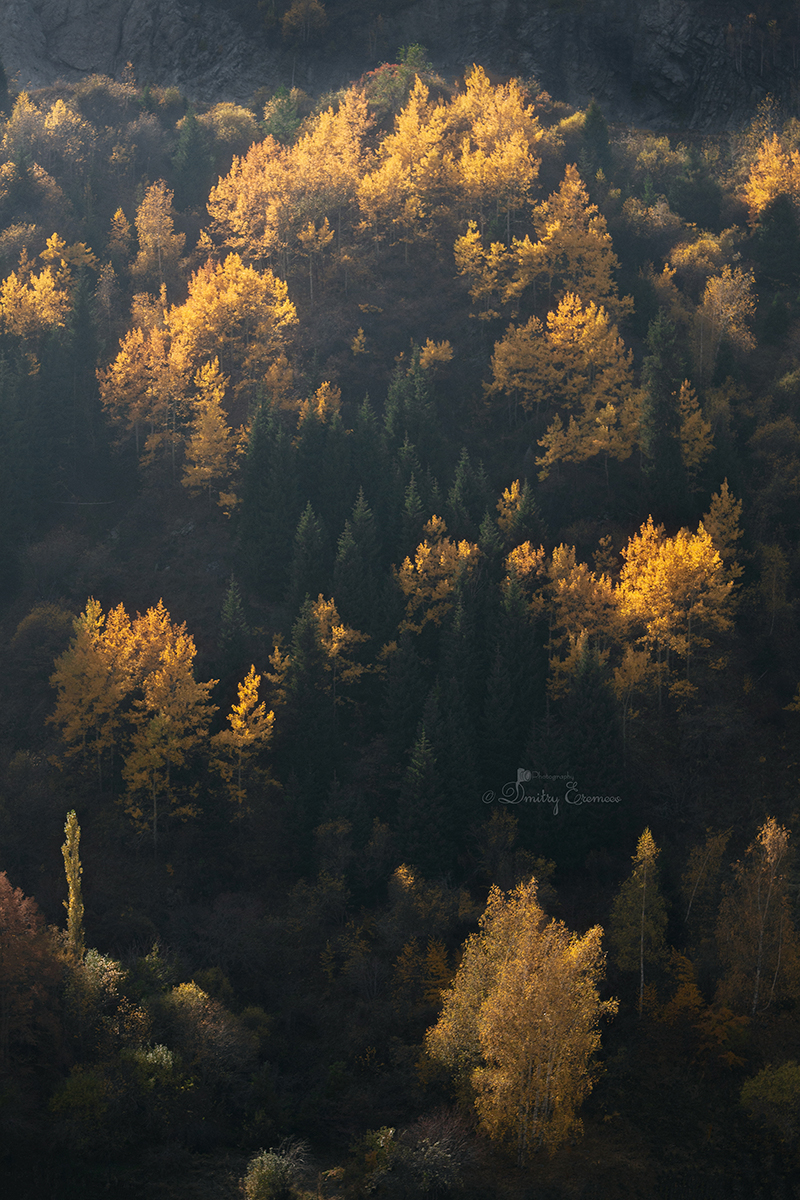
(468, 499)
(410, 413)
(193, 163)
(595, 154)
(308, 573)
(337, 490)
(233, 630)
(356, 572)
(371, 466)
(413, 519)
(404, 693)
(515, 686)
(660, 422)
(270, 503)
(422, 814)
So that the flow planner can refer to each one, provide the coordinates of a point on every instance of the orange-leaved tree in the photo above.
(127, 686)
(250, 730)
(520, 1024)
(577, 364)
(674, 593)
(428, 581)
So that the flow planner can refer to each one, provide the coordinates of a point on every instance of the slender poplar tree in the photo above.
(74, 870)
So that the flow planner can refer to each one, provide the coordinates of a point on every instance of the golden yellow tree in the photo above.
(774, 172)
(428, 581)
(578, 363)
(495, 164)
(211, 446)
(639, 914)
(695, 433)
(238, 314)
(338, 643)
(728, 304)
(674, 592)
(274, 191)
(234, 314)
(168, 720)
(403, 195)
(251, 207)
(520, 1024)
(160, 247)
(756, 935)
(144, 390)
(581, 605)
(93, 679)
(73, 870)
(486, 271)
(129, 686)
(31, 305)
(573, 252)
(250, 730)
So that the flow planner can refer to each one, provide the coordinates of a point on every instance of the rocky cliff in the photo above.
(664, 63)
(195, 46)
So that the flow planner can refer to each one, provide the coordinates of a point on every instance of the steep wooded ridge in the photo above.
(660, 62)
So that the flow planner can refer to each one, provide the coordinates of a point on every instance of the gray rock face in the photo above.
(663, 63)
(655, 62)
(194, 47)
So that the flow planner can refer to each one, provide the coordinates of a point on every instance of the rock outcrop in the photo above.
(663, 63)
(195, 47)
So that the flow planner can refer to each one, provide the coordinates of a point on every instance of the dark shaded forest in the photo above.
(400, 724)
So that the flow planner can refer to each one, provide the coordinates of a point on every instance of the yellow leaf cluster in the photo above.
(128, 685)
(32, 306)
(428, 581)
(520, 1024)
(774, 172)
(250, 730)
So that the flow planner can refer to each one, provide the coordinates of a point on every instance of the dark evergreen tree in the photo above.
(404, 695)
(410, 414)
(337, 488)
(577, 750)
(526, 524)
(23, 491)
(357, 570)
(371, 465)
(422, 819)
(432, 495)
(308, 744)
(468, 499)
(414, 519)
(595, 153)
(515, 687)
(309, 574)
(695, 194)
(463, 650)
(281, 119)
(660, 422)
(193, 164)
(5, 103)
(270, 503)
(233, 629)
(776, 242)
(88, 472)
(311, 442)
(490, 542)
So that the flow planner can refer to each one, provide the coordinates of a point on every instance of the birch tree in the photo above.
(520, 1024)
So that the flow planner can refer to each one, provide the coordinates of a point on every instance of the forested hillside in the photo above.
(400, 715)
